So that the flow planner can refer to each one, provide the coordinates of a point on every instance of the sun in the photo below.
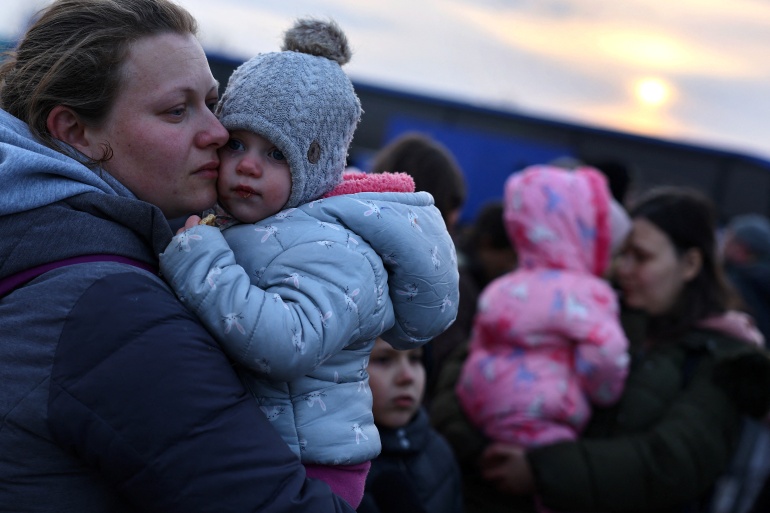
(652, 92)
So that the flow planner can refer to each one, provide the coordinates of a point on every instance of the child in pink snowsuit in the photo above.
(547, 340)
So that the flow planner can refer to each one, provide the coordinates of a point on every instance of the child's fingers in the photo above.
(192, 222)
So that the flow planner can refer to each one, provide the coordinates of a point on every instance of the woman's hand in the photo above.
(507, 467)
(191, 222)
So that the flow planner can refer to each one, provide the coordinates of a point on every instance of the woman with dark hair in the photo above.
(695, 371)
(670, 269)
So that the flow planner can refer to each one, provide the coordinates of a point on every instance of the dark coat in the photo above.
(416, 472)
(114, 397)
(752, 282)
(660, 448)
(441, 346)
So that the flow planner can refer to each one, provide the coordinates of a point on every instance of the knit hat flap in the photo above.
(300, 100)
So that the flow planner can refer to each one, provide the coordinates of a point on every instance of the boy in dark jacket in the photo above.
(416, 471)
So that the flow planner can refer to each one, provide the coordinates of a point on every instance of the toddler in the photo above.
(547, 340)
(305, 269)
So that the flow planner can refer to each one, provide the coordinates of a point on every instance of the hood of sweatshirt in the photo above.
(34, 175)
(53, 208)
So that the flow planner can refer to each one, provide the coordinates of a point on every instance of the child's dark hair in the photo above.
(431, 165)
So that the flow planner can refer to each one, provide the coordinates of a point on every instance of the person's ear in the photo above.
(66, 126)
(692, 261)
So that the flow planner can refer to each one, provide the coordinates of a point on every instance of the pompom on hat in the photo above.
(300, 100)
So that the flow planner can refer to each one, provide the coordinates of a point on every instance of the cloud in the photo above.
(16, 16)
(605, 39)
(572, 60)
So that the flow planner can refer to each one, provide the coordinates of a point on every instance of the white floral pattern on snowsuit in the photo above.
(324, 280)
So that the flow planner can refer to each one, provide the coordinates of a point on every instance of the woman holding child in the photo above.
(695, 370)
(115, 398)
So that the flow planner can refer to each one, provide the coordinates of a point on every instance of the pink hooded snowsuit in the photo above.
(547, 339)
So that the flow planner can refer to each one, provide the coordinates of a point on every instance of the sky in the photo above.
(691, 71)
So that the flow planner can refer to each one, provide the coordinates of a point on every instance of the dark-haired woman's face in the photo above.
(650, 272)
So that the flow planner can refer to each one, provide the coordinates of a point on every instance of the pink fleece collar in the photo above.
(357, 181)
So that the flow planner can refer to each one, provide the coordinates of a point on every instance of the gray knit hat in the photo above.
(300, 100)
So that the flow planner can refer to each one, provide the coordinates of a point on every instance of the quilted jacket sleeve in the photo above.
(410, 236)
(142, 393)
(312, 299)
(424, 281)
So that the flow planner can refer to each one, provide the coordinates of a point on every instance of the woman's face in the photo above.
(397, 380)
(650, 272)
(163, 134)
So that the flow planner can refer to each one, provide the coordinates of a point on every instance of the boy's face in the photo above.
(397, 380)
(254, 177)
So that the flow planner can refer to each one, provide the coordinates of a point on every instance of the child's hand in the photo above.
(507, 467)
(191, 222)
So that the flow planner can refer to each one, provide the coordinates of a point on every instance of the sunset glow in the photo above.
(652, 92)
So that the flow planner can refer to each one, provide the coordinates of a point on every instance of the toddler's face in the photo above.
(254, 177)
(397, 380)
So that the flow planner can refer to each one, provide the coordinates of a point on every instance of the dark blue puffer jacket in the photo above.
(416, 472)
(114, 398)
